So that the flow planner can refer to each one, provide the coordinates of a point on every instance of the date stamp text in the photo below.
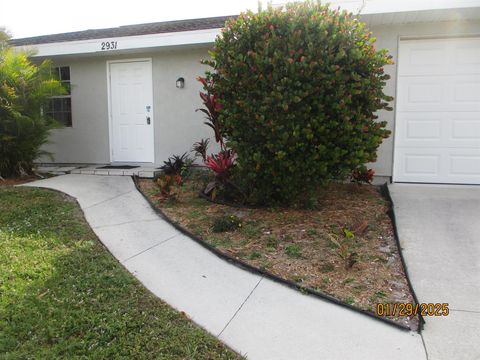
(410, 309)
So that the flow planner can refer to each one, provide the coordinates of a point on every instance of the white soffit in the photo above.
(94, 46)
(367, 7)
(421, 16)
(389, 12)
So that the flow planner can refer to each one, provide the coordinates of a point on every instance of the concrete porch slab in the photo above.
(145, 171)
(55, 170)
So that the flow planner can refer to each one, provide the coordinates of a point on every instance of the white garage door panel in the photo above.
(430, 165)
(437, 131)
(439, 93)
(440, 57)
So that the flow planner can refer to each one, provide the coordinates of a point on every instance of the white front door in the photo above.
(437, 132)
(131, 111)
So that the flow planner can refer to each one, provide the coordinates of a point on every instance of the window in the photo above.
(60, 107)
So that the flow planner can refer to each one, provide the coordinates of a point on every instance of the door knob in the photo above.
(148, 120)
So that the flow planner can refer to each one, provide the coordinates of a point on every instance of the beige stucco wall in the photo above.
(87, 140)
(388, 37)
(177, 125)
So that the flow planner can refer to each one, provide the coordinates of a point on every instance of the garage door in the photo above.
(437, 131)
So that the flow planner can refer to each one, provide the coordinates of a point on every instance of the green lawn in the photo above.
(62, 295)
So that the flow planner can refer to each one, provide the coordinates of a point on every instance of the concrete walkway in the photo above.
(439, 231)
(255, 316)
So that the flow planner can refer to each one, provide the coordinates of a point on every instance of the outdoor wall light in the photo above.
(180, 83)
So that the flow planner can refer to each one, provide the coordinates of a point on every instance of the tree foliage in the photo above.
(298, 89)
(25, 89)
(4, 38)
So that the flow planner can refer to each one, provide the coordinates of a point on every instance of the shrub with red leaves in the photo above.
(221, 164)
(211, 110)
(362, 175)
(169, 184)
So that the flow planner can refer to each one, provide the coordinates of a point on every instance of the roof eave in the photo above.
(123, 44)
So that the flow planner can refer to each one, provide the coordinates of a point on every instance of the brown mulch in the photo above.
(314, 248)
(17, 180)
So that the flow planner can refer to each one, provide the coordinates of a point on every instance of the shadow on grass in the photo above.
(63, 295)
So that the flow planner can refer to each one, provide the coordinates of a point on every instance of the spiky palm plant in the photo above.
(25, 89)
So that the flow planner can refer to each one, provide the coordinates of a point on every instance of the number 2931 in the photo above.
(109, 45)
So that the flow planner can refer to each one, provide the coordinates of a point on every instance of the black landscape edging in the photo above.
(391, 213)
(257, 271)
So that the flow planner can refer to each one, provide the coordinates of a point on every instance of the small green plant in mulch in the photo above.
(348, 233)
(226, 223)
(326, 268)
(255, 255)
(358, 289)
(272, 242)
(349, 300)
(265, 265)
(293, 251)
(251, 230)
(312, 232)
(345, 247)
(298, 279)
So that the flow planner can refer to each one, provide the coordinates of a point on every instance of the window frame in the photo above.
(57, 71)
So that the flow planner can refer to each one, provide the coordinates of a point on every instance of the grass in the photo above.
(63, 295)
(345, 247)
(349, 300)
(293, 250)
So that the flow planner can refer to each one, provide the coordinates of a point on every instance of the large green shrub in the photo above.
(25, 89)
(298, 88)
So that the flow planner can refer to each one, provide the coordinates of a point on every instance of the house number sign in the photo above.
(108, 45)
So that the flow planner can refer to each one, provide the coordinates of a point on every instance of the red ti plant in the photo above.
(211, 110)
(221, 164)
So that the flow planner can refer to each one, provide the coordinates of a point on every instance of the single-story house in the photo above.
(134, 94)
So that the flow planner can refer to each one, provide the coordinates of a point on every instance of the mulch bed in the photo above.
(302, 245)
(18, 180)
